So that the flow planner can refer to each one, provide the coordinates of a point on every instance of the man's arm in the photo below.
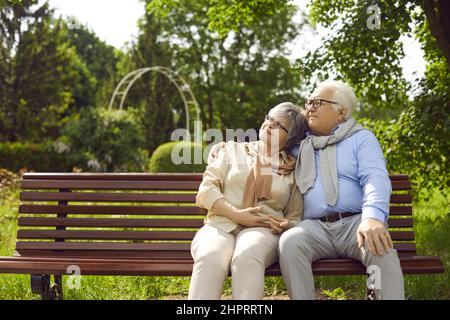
(377, 189)
(374, 178)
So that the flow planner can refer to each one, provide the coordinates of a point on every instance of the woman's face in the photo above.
(273, 131)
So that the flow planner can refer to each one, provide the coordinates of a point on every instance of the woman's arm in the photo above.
(210, 194)
(293, 212)
(247, 217)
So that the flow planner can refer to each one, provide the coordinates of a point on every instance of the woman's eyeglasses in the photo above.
(276, 124)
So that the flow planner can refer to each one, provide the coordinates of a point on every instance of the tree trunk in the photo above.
(438, 15)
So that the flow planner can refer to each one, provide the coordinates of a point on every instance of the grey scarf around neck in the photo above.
(305, 169)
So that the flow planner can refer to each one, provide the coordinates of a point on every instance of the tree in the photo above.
(157, 99)
(38, 72)
(98, 67)
(235, 79)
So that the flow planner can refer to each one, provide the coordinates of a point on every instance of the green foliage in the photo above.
(38, 70)
(163, 160)
(336, 294)
(157, 99)
(226, 15)
(97, 66)
(45, 157)
(369, 60)
(238, 78)
(108, 141)
(411, 148)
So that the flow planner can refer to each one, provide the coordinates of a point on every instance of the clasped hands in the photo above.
(251, 217)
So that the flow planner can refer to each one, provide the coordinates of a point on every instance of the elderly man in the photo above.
(341, 171)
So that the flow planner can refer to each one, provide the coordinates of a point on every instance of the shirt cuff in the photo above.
(207, 199)
(375, 213)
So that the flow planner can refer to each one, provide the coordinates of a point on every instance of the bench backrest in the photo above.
(146, 216)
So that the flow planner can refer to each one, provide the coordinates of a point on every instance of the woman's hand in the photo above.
(250, 217)
(279, 225)
(215, 151)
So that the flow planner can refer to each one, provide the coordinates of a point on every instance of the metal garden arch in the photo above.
(190, 103)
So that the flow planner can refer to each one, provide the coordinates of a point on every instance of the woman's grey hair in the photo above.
(297, 122)
(344, 95)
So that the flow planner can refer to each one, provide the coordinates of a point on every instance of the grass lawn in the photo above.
(431, 226)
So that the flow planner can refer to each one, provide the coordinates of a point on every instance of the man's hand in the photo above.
(250, 218)
(376, 235)
(215, 151)
(279, 225)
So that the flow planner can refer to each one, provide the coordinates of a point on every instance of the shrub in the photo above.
(105, 141)
(16, 156)
(161, 160)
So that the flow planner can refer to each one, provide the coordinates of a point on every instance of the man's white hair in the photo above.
(344, 95)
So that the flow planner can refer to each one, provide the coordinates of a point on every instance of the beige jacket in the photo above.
(226, 177)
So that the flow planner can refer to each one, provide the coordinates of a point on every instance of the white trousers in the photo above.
(247, 253)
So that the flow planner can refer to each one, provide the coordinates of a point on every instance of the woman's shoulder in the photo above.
(240, 150)
(237, 145)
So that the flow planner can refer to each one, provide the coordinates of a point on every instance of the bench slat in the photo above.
(401, 198)
(141, 235)
(412, 265)
(400, 223)
(137, 197)
(108, 254)
(112, 246)
(139, 176)
(112, 210)
(140, 223)
(160, 210)
(400, 210)
(137, 185)
(110, 185)
(110, 223)
(105, 235)
(105, 246)
(401, 185)
(106, 197)
(114, 176)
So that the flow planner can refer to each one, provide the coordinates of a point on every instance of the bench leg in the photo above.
(371, 295)
(57, 288)
(40, 284)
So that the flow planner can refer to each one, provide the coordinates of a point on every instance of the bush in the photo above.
(161, 160)
(412, 146)
(105, 141)
(16, 156)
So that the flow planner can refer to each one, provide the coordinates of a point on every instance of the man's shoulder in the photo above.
(364, 135)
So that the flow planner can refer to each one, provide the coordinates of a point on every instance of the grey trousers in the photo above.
(313, 240)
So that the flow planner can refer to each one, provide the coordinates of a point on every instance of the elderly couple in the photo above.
(314, 186)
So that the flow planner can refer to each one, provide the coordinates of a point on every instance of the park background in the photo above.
(57, 77)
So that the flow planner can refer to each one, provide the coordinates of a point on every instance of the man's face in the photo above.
(323, 119)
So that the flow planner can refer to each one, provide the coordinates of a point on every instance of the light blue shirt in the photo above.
(364, 184)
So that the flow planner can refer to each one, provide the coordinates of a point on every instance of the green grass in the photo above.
(431, 225)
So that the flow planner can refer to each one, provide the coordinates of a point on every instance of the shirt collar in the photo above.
(309, 133)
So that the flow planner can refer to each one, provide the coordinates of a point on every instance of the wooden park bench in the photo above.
(142, 225)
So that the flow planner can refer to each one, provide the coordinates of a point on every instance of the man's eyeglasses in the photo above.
(276, 124)
(316, 103)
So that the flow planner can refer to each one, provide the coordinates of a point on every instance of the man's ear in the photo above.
(342, 114)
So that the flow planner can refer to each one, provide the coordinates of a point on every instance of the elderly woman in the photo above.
(251, 198)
